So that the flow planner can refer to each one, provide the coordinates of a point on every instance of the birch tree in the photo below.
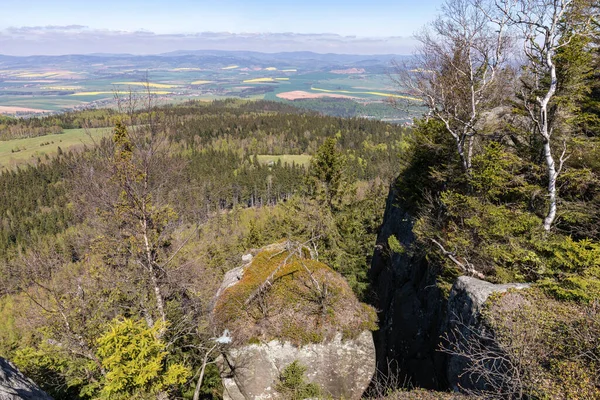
(457, 67)
(545, 28)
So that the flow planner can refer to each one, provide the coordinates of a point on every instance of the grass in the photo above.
(301, 159)
(22, 151)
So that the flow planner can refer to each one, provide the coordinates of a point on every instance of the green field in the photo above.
(22, 151)
(301, 159)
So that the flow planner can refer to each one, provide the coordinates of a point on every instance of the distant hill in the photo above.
(177, 58)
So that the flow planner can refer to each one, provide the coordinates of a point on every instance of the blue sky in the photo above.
(64, 26)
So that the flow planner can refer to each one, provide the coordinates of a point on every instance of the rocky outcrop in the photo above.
(412, 309)
(467, 297)
(283, 306)
(341, 368)
(415, 316)
(15, 386)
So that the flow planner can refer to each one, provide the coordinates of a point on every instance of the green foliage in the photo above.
(55, 372)
(326, 174)
(292, 385)
(135, 361)
(491, 217)
(395, 245)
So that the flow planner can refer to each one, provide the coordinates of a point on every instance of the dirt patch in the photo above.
(15, 110)
(300, 94)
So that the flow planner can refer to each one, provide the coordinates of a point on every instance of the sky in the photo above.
(56, 27)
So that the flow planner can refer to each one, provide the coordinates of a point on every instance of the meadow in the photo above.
(24, 151)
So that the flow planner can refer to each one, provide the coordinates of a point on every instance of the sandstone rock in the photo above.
(14, 385)
(284, 306)
(467, 297)
(412, 308)
(342, 368)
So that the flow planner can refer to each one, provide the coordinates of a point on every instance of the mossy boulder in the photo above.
(282, 307)
(283, 294)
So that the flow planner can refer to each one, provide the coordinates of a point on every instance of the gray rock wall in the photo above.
(412, 309)
(342, 368)
(15, 386)
(467, 297)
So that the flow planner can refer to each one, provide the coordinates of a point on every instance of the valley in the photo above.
(43, 85)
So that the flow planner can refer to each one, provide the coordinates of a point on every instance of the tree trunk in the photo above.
(552, 175)
(201, 377)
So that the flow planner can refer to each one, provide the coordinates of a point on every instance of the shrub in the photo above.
(293, 386)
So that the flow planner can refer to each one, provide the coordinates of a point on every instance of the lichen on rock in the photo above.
(283, 294)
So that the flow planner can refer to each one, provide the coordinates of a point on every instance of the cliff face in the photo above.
(416, 318)
(16, 386)
(412, 309)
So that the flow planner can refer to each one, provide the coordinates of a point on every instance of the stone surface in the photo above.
(14, 385)
(412, 309)
(467, 297)
(342, 368)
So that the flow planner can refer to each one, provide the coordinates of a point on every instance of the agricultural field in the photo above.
(46, 85)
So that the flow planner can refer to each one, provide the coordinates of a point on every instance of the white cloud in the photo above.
(78, 39)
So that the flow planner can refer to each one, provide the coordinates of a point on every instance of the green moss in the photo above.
(303, 301)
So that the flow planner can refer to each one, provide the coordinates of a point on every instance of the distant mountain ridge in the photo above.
(194, 57)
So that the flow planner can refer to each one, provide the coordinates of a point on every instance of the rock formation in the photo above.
(282, 306)
(412, 308)
(466, 300)
(15, 386)
(415, 314)
(341, 368)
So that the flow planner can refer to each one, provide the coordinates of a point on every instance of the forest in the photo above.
(70, 242)
(111, 255)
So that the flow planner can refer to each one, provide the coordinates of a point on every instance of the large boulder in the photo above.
(14, 385)
(341, 368)
(283, 306)
(467, 299)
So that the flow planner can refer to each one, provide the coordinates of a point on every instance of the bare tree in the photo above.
(457, 69)
(545, 27)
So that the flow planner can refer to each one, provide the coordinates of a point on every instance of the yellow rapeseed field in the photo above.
(201, 82)
(258, 80)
